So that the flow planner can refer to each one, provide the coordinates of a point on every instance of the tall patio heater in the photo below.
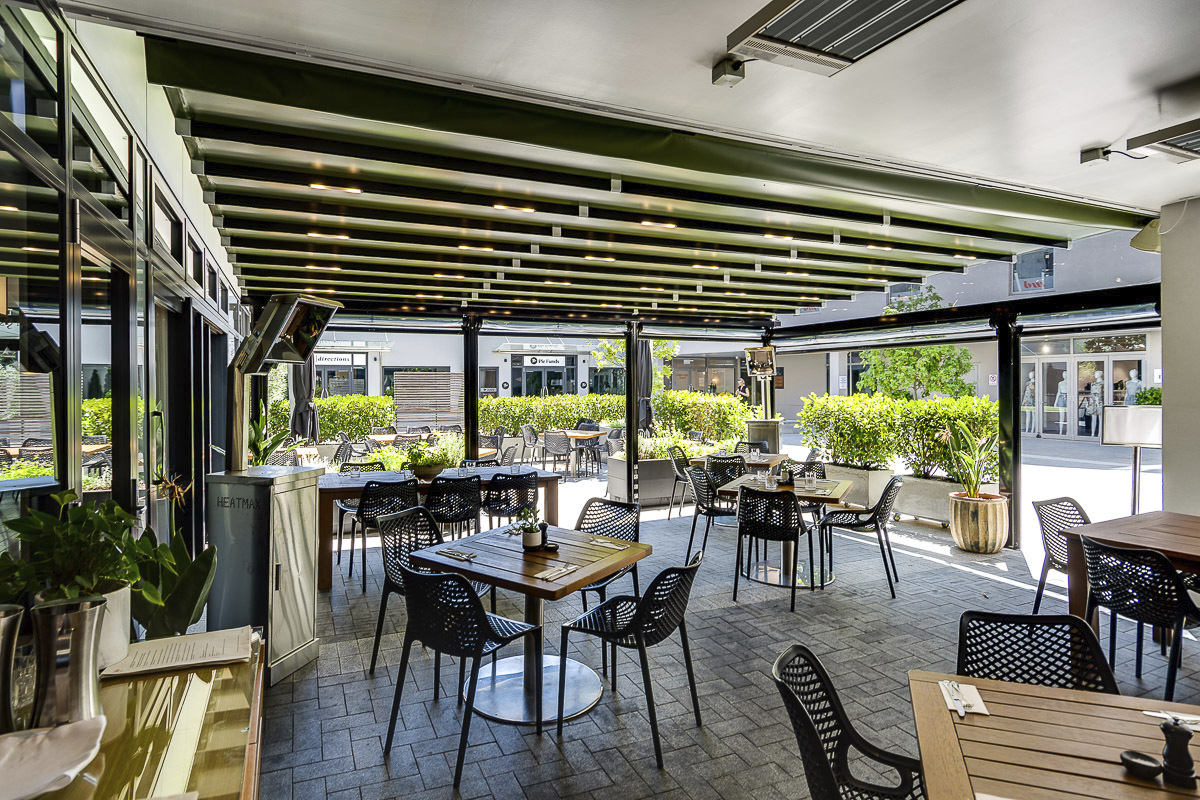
(263, 519)
(760, 363)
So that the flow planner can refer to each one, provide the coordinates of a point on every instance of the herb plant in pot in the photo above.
(425, 462)
(978, 521)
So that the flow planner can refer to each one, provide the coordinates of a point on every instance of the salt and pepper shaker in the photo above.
(1178, 766)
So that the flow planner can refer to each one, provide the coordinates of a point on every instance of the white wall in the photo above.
(1180, 228)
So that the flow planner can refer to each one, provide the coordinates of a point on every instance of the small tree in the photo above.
(917, 372)
(611, 353)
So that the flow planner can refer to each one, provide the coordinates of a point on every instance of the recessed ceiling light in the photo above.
(91, 278)
(429, 296)
(347, 189)
(780, 236)
(611, 305)
(318, 235)
(599, 258)
(327, 269)
(473, 247)
(29, 249)
(879, 247)
(9, 208)
(324, 291)
(705, 266)
(653, 289)
(652, 224)
(559, 283)
(502, 207)
(739, 294)
(443, 275)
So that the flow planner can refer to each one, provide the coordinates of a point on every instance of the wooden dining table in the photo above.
(783, 572)
(88, 449)
(1038, 743)
(764, 461)
(1177, 536)
(334, 486)
(579, 436)
(507, 692)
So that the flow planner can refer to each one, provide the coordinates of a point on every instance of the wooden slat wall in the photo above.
(25, 410)
(428, 398)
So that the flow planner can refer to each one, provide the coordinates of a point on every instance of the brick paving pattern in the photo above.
(323, 726)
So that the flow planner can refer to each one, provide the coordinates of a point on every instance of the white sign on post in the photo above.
(993, 379)
(842, 382)
(545, 361)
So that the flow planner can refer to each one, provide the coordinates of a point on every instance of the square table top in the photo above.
(1037, 742)
(578, 434)
(765, 461)
(88, 449)
(824, 492)
(333, 481)
(1175, 535)
(502, 562)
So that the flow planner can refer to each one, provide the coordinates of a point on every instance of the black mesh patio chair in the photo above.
(401, 534)
(5, 459)
(97, 439)
(507, 495)
(556, 445)
(378, 499)
(798, 470)
(579, 425)
(39, 456)
(478, 462)
(695, 436)
(745, 447)
(769, 517)
(344, 453)
(419, 429)
(615, 446)
(383, 430)
(601, 517)
(680, 464)
(456, 428)
(532, 445)
(826, 736)
(587, 451)
(403, 441)
(630, 622)
(342, 436)
(500, 431)
(1054, 517)
(489, 442)
(350, 505)
(1141, 585)
(283, 457)
(723, 469)
(509, 456)
(705, 493)
(454, 504)
(446, 615)
(432, 440)
(1060, 651)
(34, 442)
(99, 463)
(371, 446)
(872, 519)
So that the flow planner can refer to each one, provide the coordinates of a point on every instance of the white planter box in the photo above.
(656, 478)
(868, 483)
(929, 498)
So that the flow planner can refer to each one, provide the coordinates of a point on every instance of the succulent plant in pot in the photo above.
(978, 521)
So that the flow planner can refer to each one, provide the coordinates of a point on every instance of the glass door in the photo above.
(534, 382)
(1090, 387)
(1029, 397)
(1128, 378)
(1054, 393)
(554, 381)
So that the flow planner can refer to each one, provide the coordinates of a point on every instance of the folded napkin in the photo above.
(46, 759)
(556, 572)
(972, 702)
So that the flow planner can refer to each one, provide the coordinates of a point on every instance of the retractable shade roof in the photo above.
(402, 198)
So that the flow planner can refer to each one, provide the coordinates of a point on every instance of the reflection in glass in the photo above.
(1054, 393)
(28, 96)
(1090, 387)
(1128, 378)
(97, 404)
(91, 169)
(1028, 376)
(1126, 343)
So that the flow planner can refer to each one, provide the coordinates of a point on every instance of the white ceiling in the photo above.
(1002, 90)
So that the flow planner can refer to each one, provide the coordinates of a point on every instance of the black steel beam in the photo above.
(470, 339)
(632, 421)
(1008, 351)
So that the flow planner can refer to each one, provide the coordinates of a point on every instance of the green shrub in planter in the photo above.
(560, 411)
(717, 416)
(922, 442)
(355, 414)
(855, 431)
(659, 445)
(97, 416)
(1150, 396)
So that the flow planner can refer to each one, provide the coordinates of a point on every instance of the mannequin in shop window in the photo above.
(1060, 404)
(1093, 402)
(1132, 387)
(1029, 405)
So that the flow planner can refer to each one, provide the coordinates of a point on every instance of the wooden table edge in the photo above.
(945, 763)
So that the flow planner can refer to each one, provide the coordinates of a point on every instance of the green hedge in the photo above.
(355, 414)
(97, 416)
(870, 431)
(716, 416)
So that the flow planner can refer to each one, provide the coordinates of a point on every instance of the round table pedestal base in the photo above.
(501, 695)
(769, 573)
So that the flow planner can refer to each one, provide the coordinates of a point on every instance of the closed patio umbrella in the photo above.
(645, 379)
(304, 409)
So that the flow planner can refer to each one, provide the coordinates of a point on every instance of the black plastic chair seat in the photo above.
(503, 630)
(612, 620)
(349, 505)
(847, 519)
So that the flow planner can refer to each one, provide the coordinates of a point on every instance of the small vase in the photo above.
(10, 626)
(531, 538)
(66, 637)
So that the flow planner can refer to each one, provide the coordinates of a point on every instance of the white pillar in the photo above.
(1180, 230)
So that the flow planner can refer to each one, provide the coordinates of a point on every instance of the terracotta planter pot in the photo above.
(428, 472)
(979, 524)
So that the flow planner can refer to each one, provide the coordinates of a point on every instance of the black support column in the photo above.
(470, 337)
(1008, 341)
(632, 420)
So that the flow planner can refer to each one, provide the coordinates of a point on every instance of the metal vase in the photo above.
(10, 626)
(66, 636)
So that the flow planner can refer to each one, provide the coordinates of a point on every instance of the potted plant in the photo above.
(924, 448)
(261, 445)
(426, 462)
(978, 521)
(856, 437)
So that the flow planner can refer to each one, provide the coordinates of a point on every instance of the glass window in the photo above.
(856, 369)
(1045, 347)
(91, 169)
(30, 360)
(606, 380)
(898, 291)
(212, 284)
(196, 256)
(28, 53)
(139, 191)
(1128, 343)
(489, 379)
(97, 377)
(168, 232)
(106, 123)
(1055, 398)
(1033, 271)
(225, 298)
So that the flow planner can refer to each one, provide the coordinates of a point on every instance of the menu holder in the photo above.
(184, 652)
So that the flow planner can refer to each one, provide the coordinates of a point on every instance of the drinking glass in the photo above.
(355, 472)
(772, 483)
(754, 453)
(462, 472)
(810, 481)
(514, 468)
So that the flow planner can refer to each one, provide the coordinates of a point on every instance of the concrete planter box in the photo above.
(928, 498)
(656, 478)
(868, 483)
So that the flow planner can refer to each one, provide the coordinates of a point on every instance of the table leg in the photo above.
(550, 502)
(324, 541)
(534, 607)
(1077, 583)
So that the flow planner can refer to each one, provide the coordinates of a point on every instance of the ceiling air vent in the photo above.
(826, 36)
